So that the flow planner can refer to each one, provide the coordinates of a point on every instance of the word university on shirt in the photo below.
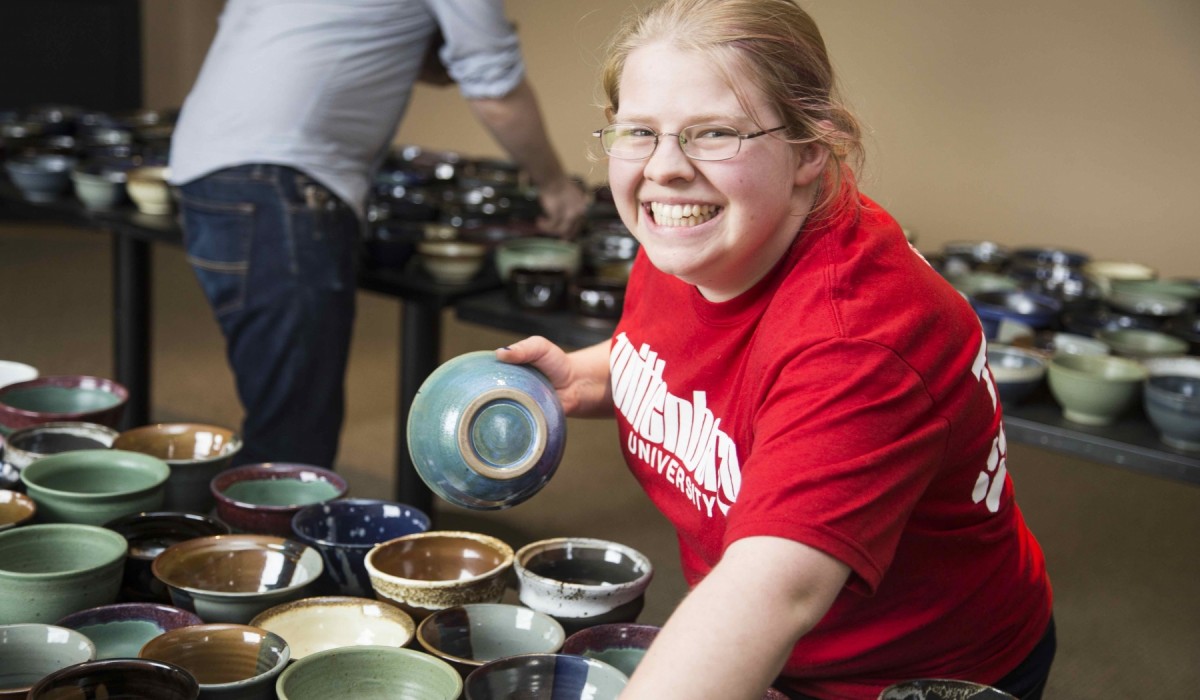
(680, 438)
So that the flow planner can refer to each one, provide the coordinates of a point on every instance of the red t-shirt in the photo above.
(843, 402)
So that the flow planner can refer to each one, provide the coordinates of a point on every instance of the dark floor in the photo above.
(1123, 548)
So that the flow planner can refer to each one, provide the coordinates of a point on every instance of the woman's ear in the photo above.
(813, 157)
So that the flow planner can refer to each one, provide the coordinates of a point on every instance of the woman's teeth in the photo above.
(682, 214)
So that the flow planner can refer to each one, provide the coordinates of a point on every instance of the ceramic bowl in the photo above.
(1017, 372)
(598, 298)
(1146, 303)
(1172, 403)
(41, 178)
(1137, 343)
(30, 652)
(228, 661)
(1089, 321)
(1075, 344)
(1072, 288)
(149, 534)
(147, 187)
(311, 625)
(1178, 288)
(118, 679)
(485, 434)
(45, 439)
(1036, 310)
(1094, 389)
(263, 498)
(1106, 272)
(232, 578)
(369, 673)
(195, 452)
(15, 509)
(49, 571)
(538, 253)
(343, 531)
(619, 644)
(468, 636)
(537, 290)
(976, 255)
(938, 689)
(452, 262)
(971, 283)
(12, 372)
(582, 581)
(545, 677)
(54, 399)
(95, 486)
(1172, 366)
(120, 630)
(1186, 328)
(430, 571)
(99, 188)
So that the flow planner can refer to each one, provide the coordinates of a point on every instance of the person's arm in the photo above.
(580, 377)
(731, 635)
(515, 121)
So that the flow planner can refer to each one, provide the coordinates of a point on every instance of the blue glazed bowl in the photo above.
(1035, 310)
(343, 531)
(485, 434)
(1017, 372)
(545, 677)
(1172, 403)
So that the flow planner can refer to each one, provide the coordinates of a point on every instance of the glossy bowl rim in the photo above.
(338, 481)
(279, 644)
(33, 470)
(111, 386)
(95, 530)
(233, 443)
(494, 543)
(261, 543)
(547, 544)
(391, 613)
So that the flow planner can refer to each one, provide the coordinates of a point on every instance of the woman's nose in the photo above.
(668, 161)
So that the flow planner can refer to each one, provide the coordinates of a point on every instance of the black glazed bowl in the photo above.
(150, 533)
(598, 298)
(537, 290)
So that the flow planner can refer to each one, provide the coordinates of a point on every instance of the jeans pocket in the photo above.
(218, 238)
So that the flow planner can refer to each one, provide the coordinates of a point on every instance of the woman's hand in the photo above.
(580, 377)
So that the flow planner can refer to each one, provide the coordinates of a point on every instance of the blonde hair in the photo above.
(779, 47)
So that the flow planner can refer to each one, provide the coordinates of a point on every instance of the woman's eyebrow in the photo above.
(722, 119)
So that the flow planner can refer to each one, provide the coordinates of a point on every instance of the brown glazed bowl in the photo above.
(229, 661)
(430, 571)
(62, 398)
(263, 498)
(15, 509)
(195, 452)
(232, 578)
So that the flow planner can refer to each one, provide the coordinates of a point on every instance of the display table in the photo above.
(1131, 443)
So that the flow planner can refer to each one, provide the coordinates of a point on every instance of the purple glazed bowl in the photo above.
(62, 398)
(121, 629)
(263, 498)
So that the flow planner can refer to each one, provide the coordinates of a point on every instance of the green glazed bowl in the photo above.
(93, 487)
(1094, 389)
(50, 571)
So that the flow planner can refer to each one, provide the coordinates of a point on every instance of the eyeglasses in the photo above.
(699, 142)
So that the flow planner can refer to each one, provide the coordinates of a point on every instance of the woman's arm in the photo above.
(580, 377)
(731, 635)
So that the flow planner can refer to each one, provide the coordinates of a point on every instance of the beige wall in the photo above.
(1028, 122)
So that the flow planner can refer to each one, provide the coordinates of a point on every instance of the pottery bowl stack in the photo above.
(1018, 372)
(118, 679)
(149, 534)
(582, 581)
(95, 486)
(30, 652)
(120, 630)
(238, 662)
(195, 452)
(486, 434)
(430, 571)
(344, 530)
(468, 636)
(232, 578)
(1094, 389)
(263, 498)
(49, 571)
(52, 399)
(369, 673)
(545, 677)
(1172, 403)
(312, 625)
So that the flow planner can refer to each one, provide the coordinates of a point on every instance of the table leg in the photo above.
(131, 325)
(420, 352)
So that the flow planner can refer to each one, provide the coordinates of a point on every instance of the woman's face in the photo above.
(745, 212)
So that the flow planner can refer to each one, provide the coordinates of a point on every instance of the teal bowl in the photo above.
(54, 399)
(93, 487)
(369, 673)
(485, 434)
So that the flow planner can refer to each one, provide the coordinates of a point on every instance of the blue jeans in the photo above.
(275, 254)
